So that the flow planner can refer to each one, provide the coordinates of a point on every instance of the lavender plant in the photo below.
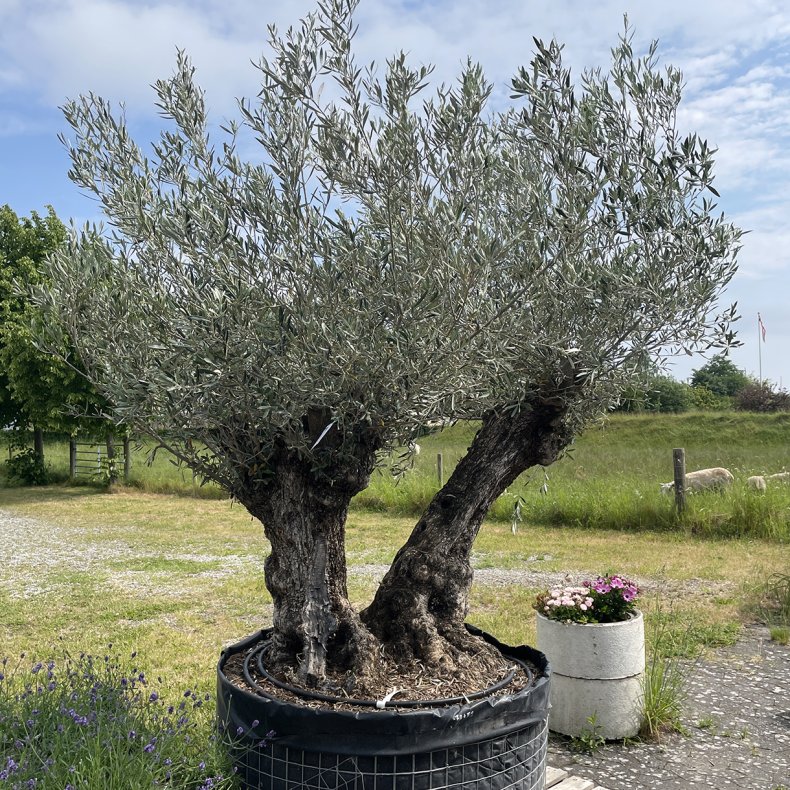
(86, 722)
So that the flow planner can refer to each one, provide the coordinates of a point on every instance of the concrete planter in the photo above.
(597, 670)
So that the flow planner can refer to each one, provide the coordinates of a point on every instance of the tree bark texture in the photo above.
(303, 511)
(421, 605)
(38, 443)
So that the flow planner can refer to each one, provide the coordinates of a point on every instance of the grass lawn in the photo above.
(609, 480)
(176, 578)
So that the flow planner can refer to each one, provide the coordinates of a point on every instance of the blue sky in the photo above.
(735, 57)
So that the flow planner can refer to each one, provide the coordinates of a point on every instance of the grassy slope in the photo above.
(611, 476)
(609, 479)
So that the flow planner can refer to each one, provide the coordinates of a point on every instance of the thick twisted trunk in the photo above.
(422, 602)
(304, 514)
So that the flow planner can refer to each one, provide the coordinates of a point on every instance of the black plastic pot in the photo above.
(493, 743)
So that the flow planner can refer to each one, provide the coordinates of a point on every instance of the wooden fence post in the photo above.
(440, 469)
(679, 463)
(112, 473)
(72, 458)
(127, 459)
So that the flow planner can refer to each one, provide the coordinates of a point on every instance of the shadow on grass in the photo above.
(22, 495)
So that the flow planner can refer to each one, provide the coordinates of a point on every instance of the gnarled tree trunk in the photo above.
(422, 602)
(38, 443)
(304, 512)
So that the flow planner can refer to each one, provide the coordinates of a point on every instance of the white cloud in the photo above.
(13, 124)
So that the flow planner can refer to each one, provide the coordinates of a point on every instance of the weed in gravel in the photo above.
(590, 738)
(770, 601)
(673, 648)
(100, 723)
(781, 634)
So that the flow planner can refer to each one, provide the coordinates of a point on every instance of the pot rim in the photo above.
(637, 615)
(387, 731)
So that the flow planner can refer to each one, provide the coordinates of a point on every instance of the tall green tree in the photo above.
(721, 376)
(387, 259)
(38, 389)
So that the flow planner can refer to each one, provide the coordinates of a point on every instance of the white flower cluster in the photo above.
(568, 596)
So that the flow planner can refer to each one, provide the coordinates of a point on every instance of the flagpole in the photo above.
(760, 347)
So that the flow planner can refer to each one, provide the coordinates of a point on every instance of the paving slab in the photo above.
(737, 719)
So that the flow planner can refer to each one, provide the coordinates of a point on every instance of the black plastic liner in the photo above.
(489, 744)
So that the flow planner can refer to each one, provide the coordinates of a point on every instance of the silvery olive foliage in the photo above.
(388, 254)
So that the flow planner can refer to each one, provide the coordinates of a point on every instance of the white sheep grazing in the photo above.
(703, 480)
(780, 477)
(757, 482)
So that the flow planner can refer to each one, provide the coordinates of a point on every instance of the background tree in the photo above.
(659, 394)
(762, 397)
(721, 376)
(383, 262)
(38, 389)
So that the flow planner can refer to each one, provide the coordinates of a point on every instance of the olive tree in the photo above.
(385, 259)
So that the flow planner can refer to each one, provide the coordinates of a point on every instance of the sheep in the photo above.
(703, 480)
(780, 477)
(757, 482)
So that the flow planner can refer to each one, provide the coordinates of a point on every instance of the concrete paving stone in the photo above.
(745, 690)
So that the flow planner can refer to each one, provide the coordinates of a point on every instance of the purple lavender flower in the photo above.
(10, 768)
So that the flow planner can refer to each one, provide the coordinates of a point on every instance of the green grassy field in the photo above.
(176, 578)
(609, 479)
(194, 564)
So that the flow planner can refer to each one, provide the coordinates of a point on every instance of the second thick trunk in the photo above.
(421, 605)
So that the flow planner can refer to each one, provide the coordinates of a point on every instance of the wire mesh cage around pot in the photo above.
(493, 742)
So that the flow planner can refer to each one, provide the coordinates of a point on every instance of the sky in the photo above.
(735, 58)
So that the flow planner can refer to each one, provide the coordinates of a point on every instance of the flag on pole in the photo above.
(761, 325)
